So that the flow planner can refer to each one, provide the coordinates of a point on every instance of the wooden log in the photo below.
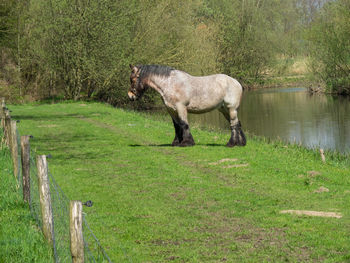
(14, 149)
(45, 198)
(25, 160)
(76, 231)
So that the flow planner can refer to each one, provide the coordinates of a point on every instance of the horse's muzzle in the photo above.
(132, 96)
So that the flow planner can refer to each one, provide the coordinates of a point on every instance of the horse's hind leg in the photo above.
(237, 135)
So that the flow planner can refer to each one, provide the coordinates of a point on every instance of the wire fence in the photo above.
(60, 213)
(94, 252)
(60, 204)
(19, 174)
(34, 200)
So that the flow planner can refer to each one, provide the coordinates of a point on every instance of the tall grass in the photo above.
(20, 239)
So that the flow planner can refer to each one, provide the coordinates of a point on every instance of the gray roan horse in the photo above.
(183, 93)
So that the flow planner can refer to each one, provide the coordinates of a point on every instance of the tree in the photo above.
(330, 46)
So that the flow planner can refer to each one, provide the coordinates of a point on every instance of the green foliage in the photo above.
(82, 49)
(330, 46)
(8, 23)
(244, 49)
(253, 33)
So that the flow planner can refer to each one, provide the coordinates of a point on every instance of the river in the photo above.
(293, 115)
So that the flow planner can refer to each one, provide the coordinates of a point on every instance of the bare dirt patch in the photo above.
(312, 213)
(81, 169)
(224, 160)
(237, 165)
(48, 126)
(313, 173)
(322, 189)
(227, 233)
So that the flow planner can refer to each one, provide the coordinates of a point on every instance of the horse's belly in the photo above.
(197, 109)
(205, 98)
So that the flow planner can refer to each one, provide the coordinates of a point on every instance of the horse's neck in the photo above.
(157, 83)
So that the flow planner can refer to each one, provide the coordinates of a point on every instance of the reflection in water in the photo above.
(293, 115)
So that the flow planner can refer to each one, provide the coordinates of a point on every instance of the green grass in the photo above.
(157, 203)
(20, 239)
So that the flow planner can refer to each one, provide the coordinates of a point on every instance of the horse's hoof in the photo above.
(232, 144)
(175, 143)
(186, 143)
(229, 144)
(242, 144)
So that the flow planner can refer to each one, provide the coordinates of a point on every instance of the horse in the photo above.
(182, 93)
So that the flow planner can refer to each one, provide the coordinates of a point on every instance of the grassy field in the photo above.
(207, 203)
(20, 239)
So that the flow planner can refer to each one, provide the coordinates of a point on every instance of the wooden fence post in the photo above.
(7, 127)
(2, 112)
(14, 148)
(45, 198)
(25, 159)
(76, 231)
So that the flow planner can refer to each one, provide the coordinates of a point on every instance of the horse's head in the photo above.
(136, 88)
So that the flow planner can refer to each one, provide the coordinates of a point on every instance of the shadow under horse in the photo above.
(183, 93)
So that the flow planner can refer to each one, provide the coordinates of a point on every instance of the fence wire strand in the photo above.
(34, 202)
(60, 213)
(60, 203)
(19, 163)
(95, 251)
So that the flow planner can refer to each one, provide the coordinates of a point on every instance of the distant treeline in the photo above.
(82, 48)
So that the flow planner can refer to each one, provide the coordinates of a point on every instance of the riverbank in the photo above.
(285, 72)
(154, 202)
(281, 81)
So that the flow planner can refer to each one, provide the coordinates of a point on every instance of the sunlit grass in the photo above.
(207, 203)
(20, 239)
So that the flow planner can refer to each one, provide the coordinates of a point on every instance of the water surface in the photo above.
(293, 115)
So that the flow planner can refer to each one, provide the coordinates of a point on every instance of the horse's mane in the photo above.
(147, 70)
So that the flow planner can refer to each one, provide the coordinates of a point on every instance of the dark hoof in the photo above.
(244, 143)
(186, 143)
(237, 136)
(241, 140)
(175, 143)
(230, 144)
(233, 144)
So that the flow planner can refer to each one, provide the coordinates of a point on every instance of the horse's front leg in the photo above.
(178, 134)
(178, 130)
(187, 139)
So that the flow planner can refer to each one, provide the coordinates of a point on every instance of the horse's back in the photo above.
(231, 89)
(209, 92)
